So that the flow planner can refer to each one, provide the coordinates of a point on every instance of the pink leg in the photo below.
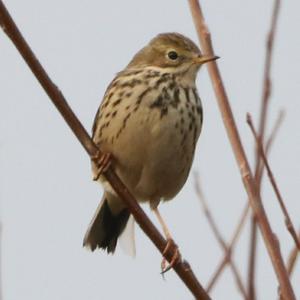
(103, 164)
(170, 243)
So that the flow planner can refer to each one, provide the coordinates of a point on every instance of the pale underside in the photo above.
(152, 140)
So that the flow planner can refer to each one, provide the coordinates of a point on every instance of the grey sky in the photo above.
(47, 195)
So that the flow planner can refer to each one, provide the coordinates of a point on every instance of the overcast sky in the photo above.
(47, 195)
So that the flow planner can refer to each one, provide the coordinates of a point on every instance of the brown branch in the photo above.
(241, 223)
(267, 69)
(217, 273)
(271, 138)
(262, 124)
(219, 237)
(288, 221)
(252, 258)
(229, 250)
(207, 212)
(275, 130)
(292, 259)
(269, 238)
(183, 269)
(253, 234)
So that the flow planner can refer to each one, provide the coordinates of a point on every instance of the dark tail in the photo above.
(105, 228)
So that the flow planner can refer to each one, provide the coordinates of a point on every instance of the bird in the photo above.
(147, 125)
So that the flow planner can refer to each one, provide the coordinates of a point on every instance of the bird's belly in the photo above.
(152, 139)
(154, 153)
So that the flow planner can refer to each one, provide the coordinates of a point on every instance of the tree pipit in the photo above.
(149, 121)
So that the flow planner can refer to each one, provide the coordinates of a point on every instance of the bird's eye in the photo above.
(173, 55)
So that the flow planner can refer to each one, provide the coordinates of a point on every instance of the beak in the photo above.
(204, 59)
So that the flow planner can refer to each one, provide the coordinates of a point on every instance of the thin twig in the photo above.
(271, 138)
(262, 125)
(182, 268)
(267, 69)
(292, 259)
(269, 238)
(219, 237)
(217, 273)
(241, 223)
(288, 221)
(228, 252)
(252, 258)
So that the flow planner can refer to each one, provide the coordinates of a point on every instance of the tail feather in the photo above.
(105, 228)
(127, 240)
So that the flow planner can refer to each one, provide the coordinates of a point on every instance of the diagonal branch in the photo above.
(183, 269)
(262, 125)
(229, 250)
(219, 237)
(292, 259)
(271, 138)
(242, 219)
(269, 238)
(288, 221)
(267, 70)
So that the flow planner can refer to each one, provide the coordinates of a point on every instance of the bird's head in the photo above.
(173, 52)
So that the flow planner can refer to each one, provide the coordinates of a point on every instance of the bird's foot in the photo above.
(103, 163)
(176, 258)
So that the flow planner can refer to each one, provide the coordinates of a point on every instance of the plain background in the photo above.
(47, 195)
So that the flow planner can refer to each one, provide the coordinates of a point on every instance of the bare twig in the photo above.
(270, 139)
(267, 70)
(292, 259)
(262, 125)
(275, 130)
(252, 258)
(217, 273)
(182, 268)
(230, 248)
(241, 223)
(219, 237)
(269, 238)
(288, 221)
(224, 261)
